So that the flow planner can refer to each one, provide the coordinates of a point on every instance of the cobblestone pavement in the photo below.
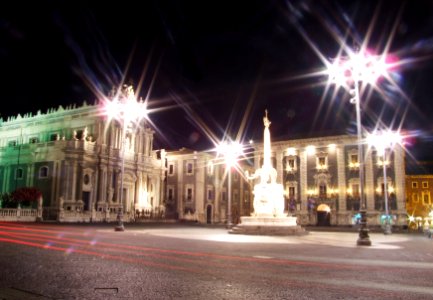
(173, 261)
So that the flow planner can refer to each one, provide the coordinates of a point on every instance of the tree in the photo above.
(26, 196)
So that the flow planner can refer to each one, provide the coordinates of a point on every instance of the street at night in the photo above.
(171, 261)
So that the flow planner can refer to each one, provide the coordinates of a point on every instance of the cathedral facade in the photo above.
(74, 156)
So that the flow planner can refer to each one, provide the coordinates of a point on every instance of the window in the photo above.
(189, 168)
(210, 193)
(19, 173)
(34, 140)
(43, 172)
(414, 184)
(322, 190)
(210, 168)
(171, 169)
(236, 195)
(426, 198)
(425, 185)
(353, 160)
(12, 143)
(290, 164)
(170, 193)
(291, 192)
(236, 176)
(355, 190)
(415, 198)
(54, 137)
(189, 194)
(79, 134)
(322, 163)
(247, 196)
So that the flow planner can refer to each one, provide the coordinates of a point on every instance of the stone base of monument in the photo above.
(268, 225)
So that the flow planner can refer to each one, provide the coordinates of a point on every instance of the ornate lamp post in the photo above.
(230, 151)
(129, 112)
(352, 70)
(382, 141)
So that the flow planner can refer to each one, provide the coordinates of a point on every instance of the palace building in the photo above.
(321, 180)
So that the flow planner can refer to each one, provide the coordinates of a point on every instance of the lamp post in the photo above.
(129, 112)
(381, 141)
(356, 68)
(230, 151)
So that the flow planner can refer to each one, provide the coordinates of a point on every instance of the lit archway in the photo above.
(323, 215)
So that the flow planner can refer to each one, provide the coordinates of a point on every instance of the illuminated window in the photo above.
(424, 184)
(414, 184)
(322, 163)
(355, 190)
(426, 198)
(291, 164)
(353, 159)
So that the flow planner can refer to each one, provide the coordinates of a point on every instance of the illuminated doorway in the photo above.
(323, 215)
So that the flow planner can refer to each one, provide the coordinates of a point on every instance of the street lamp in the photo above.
(230, 151)
(358, 67)
(129, 112)
(382, 141)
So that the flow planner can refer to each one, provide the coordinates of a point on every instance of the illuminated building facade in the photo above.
(196, 188)
(419, 190)
(73, 156)
(321, 180)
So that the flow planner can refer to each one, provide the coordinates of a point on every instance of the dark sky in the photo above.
(215, 66)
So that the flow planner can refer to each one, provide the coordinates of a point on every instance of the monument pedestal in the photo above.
(269, 217)
(268, 225)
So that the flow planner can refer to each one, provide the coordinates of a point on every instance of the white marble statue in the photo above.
(268, 194)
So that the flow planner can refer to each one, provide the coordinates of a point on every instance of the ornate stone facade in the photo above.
(321, 180)
(73, 155)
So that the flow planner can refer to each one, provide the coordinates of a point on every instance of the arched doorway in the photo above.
(323, 215)
(209, 214)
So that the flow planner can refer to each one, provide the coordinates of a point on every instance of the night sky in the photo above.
(215, 66)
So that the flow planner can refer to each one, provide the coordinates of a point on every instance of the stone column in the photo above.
(399, 186)
(369, 180)
(279, 166)
(303, 180)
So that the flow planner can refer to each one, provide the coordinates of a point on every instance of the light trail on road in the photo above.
(279, 271)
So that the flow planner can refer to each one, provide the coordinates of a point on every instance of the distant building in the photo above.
(73, 155)
(197, 188)
(419, 190)
(321, 180)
